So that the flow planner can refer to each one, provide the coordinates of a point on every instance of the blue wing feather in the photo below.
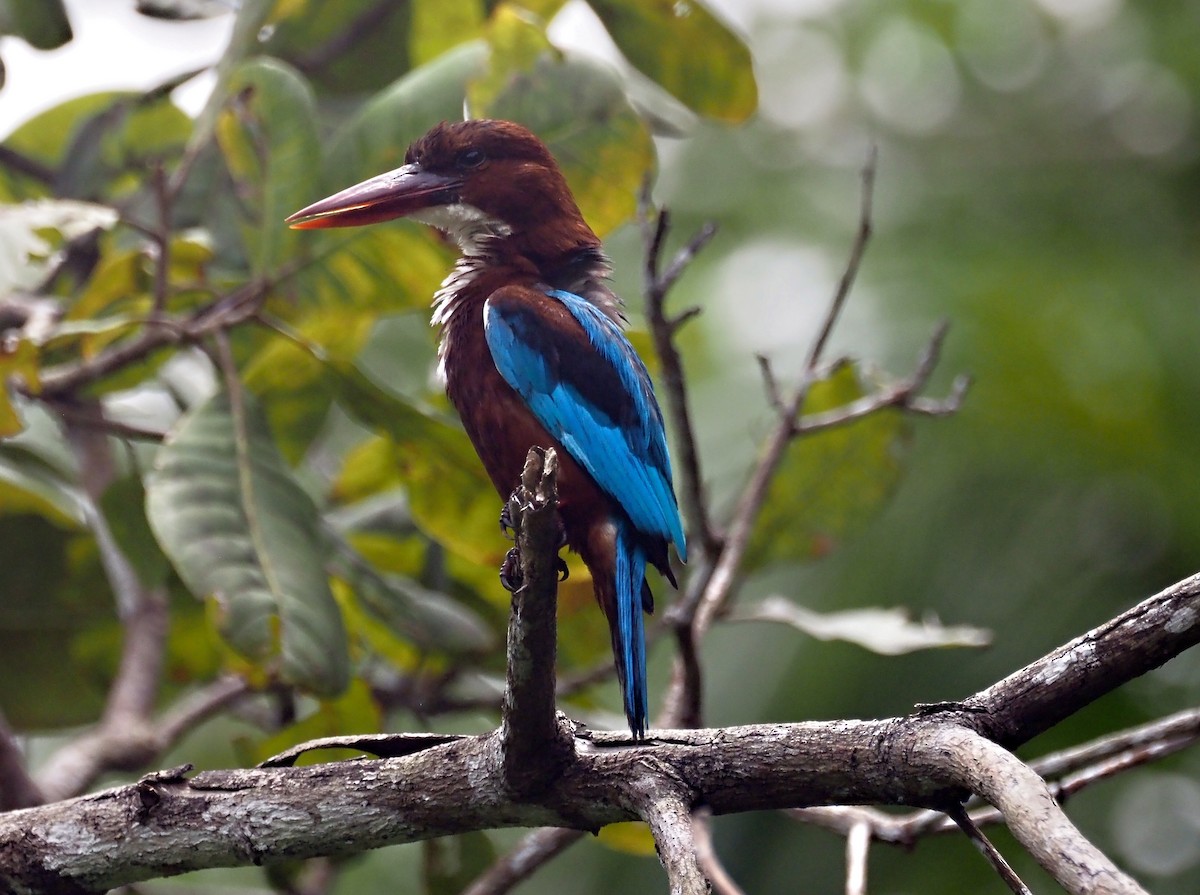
(600, 405)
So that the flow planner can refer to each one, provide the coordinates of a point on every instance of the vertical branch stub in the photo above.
(533, 747)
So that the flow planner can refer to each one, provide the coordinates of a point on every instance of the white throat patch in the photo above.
(465, 224)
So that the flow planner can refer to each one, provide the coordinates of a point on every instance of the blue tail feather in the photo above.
(630, 639)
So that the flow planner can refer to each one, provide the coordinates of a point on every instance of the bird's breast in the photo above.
(503, 429)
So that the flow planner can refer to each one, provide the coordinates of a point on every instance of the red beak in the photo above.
(382, 198)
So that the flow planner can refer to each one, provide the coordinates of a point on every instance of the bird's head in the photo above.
(470, 179)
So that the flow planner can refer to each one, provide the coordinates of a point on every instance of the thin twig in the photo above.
(706, 855)
(23, 164)
(523, 860)
(770, 384)
(1087, 764)
(655, 227)
(229, 311)
(989, 851)
(693, 615)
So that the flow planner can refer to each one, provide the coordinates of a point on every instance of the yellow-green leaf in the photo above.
(450, 496)
(688, 51)
(438, 25)
(632, 837)
(268, 135)
(831, 482)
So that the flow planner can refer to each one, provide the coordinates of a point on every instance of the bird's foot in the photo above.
(511, 578)
(507, 514)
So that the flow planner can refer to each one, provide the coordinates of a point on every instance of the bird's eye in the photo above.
(470, 158)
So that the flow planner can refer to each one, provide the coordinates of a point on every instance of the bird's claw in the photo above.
(507, 515)
(511, 578)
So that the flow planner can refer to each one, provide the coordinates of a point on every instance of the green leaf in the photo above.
(889, 632)
(111, 150)
(424, 617)
(684, 48)
(238, 528)
(833, 481)
(17, 362)
(631, 838)
(30, 484)
(42, 24)
(245, 41)
(375, 138)
(45, 139)
(578, 108)
(124, 506)
(310, 31)
(450, 496)
(53, 592)
(268, 135)
(438, 25)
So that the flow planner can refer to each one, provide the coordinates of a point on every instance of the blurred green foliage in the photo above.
(1037, 186)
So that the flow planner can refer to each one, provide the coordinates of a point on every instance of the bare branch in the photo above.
(1148, 740)
(989, 851)
(1031, 813)
(926, 759)
(1090, 763)
(1045, 692)
(531, 738)
(667, 812)
(770, 384)
(17, 789)
(655, 227)
(706, 855)
(857, 250)
(229, 311)
(530, 854)
(123, 738)
(903, 395)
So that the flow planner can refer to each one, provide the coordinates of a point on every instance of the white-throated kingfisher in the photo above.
(532, 354)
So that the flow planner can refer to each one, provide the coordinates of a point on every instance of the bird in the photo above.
(532, 353)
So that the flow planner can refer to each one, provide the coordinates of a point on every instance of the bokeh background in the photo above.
(1038, 187)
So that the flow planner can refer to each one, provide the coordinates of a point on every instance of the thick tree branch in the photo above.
(666, 809)
(1030, 812)
(167, 825)
(1043, 693)
(964, 822)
